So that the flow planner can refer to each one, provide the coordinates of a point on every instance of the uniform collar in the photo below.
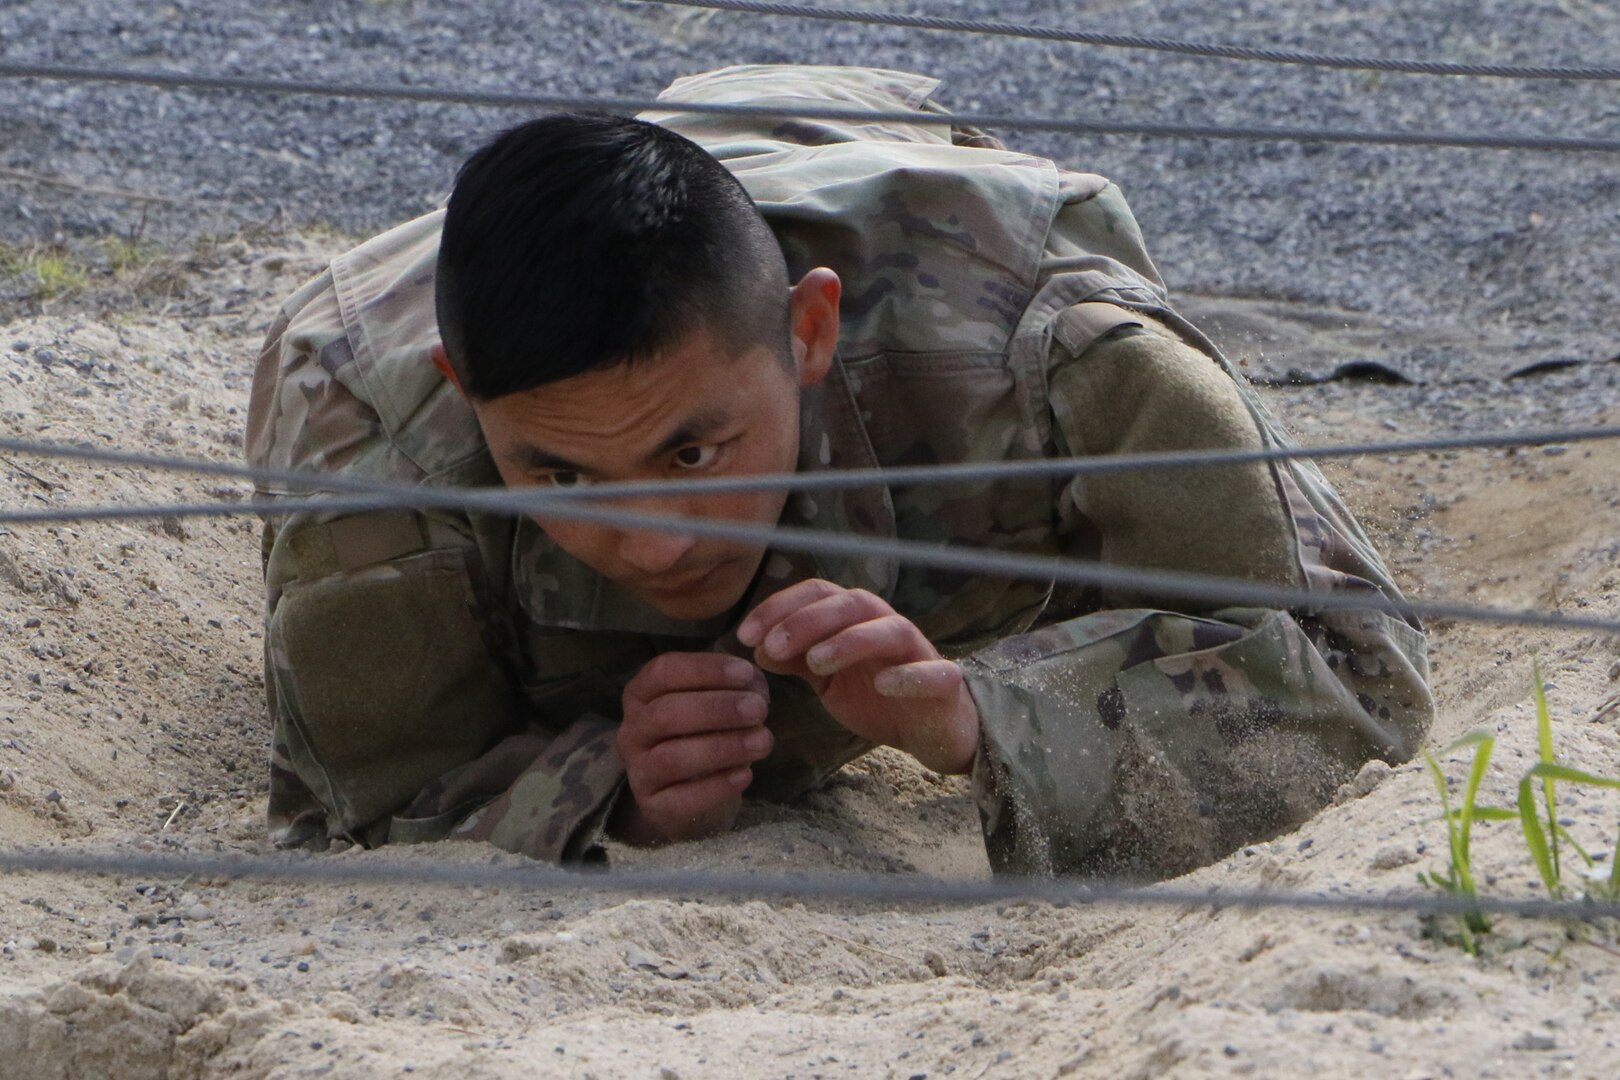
(831, 436)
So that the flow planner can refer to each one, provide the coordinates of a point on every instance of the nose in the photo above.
(651, 552)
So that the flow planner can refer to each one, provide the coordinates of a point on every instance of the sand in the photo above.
(131, 720)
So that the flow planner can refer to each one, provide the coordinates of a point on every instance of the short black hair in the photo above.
(579, 241)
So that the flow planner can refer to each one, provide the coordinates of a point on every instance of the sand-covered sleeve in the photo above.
(1151, 736)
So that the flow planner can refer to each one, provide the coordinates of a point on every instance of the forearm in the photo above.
(1148, 742)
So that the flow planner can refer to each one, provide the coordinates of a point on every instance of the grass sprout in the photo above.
(1459, 877)
(1545, 836)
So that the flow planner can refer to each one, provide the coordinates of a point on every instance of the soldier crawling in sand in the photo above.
(690, 295)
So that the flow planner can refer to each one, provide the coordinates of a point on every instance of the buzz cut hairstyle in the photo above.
(576, 242)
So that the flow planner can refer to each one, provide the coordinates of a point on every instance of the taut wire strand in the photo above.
(360, 495)
(508, 99)
(1202, 49)
(836, 479)
(1199, 587)
(864, 888)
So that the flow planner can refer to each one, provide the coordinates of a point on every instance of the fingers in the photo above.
(925, 679)
(812, 621)
(681, 761)
(691, 712)
(697, 807)
(891, 639)
(676, 671)
(778, 606)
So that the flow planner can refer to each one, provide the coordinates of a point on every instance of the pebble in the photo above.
(1530, 1040)
(1388, 858)
(198, 912)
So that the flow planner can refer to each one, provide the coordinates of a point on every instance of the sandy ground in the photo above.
(131, 719)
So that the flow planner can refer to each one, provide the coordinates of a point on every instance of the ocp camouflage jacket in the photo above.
(438, 674)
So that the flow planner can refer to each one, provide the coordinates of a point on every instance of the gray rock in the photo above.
(1393, 856)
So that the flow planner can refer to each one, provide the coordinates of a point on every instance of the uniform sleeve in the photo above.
(393, 686)
(1144, 736)
(397, 713)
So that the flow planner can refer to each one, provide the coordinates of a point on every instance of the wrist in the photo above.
(950, 747)
(629, 825)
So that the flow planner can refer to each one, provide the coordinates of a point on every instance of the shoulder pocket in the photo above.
(387, 674)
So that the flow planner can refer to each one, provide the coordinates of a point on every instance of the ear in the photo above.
(441, 360)
(813, 308)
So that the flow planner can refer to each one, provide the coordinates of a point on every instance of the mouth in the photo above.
(689, 582)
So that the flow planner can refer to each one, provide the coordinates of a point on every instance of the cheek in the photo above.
(587, 543)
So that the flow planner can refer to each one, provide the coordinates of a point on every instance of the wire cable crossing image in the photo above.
(1204, 49)
(512, 99)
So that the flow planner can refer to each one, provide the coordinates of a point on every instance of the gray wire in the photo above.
(835, 479)
(863, 888)
(366, 495)
(1184, 586)
(1206, 49)
(506, 99)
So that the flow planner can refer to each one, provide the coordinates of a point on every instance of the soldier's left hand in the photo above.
(873, 670)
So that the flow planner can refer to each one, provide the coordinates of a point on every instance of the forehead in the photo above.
(696, 388)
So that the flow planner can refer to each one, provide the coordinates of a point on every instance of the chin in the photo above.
(692, 607)
(708, 600)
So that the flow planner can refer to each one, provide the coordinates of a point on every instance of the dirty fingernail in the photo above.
(751, 707)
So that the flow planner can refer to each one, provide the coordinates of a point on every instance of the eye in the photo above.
(565, 479)
(695, 457)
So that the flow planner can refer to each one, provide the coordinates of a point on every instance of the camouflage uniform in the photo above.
(442, 674)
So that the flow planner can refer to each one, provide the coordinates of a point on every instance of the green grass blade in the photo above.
(1461, 877)
(1553, 770)
(1493, 813)
(1534, 838)
(1476, 773)
(1570, 840)
(1544, 738)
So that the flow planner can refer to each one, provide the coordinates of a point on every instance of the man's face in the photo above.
(696, 411)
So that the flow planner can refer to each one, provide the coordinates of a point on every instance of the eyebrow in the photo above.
(694, 429)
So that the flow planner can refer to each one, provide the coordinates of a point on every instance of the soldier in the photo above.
(690, 295)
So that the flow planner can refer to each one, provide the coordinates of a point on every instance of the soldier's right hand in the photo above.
(694, 724)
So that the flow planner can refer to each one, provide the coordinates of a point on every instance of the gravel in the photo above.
(1519, 243)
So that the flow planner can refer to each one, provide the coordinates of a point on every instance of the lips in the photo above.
(685, 583)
